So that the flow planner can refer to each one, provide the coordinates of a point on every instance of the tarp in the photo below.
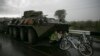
(28, 21)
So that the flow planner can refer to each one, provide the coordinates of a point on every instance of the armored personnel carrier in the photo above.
(34, 26)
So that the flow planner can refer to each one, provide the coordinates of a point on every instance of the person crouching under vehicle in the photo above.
(56, 37)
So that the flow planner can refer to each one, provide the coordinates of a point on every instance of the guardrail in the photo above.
(94, 33)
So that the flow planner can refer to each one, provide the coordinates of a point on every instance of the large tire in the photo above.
(25, 34)
(64, 44)
(35, 38)
(85, 50)
(32, 36)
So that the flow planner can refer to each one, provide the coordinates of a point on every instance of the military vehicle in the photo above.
(34, 26)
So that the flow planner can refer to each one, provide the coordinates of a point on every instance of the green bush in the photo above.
(86, 25)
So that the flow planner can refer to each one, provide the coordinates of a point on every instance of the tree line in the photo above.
(86, 25)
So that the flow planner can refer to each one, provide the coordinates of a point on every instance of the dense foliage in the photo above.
(61, 14)
(86, 25)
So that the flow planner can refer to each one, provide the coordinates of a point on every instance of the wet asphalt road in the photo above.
(11, 47)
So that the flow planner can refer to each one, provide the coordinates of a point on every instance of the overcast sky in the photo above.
(76, 9)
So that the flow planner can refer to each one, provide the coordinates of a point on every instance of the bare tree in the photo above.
(61, 14)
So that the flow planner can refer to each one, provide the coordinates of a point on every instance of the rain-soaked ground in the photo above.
(11, 47)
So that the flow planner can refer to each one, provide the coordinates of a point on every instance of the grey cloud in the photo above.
(5, 9)
(3, 6)
(2, 2)
(76, 9)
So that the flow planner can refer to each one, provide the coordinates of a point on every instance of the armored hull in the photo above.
(32, 30)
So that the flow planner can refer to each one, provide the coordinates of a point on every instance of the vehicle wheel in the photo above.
(35, 38)
(32, 36)
(85, 50)
(64, 44)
